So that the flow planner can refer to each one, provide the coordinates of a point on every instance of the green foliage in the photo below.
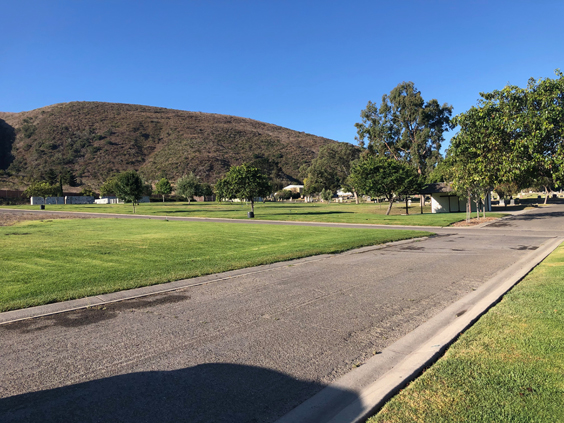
(108, 188)
(245, 183)
(147, 189)
(331, 168)
(28, 128)
(284, 194)
(206, 190)
(507, 189)
(440, 172)
(384, 177)
(130, 253)
(326, 195)
(405, 127)
(508, 367)
(188, 186)
(67, 177)
(41, 189)
(163, 187)
(88, 192)
(513, 135)
(129, 187)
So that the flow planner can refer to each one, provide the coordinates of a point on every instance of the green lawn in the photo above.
(509, 367)
(310, 212)
(48, 261)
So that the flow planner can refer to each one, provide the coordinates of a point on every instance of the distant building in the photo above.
(295, 188)
(444, 200)
(341, 193)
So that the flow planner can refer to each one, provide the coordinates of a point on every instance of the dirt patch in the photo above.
(474, 221)
(8, 218)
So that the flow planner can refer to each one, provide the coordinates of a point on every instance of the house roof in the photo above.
(437, 188)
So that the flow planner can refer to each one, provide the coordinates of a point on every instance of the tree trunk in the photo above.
(469, 208)
(546, 198)
(355, 197)
(253, 205)
(390, 207)
(163, 198)
(406, 206)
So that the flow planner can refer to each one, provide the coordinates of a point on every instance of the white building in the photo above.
(295, 188)
(444, 200)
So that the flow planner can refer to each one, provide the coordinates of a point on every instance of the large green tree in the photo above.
(331, 168)
(129, 187)
(244, 183)
(384, 177)
(513, 136)
(405, 127)
(108, 188)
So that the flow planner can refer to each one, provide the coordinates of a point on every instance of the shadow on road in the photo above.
(527, 217)
(204, 393)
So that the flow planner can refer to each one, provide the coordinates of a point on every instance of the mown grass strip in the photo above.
(305, 212)
(48, 261)
(509, 367)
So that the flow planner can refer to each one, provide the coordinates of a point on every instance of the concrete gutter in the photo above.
(98, 300)
(385, 374)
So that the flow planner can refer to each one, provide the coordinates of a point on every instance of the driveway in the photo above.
(252, 347)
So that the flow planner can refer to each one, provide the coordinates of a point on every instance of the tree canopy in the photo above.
(41, 189)
(384, 177)
(188, 186)
(244, 183)
(405, 127)
(108, 188)
(163, 187)
(512, 136)
(129, 187)
(331, 168)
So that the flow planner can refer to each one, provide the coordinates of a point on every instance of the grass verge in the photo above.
(48, 261)
(509, 367)
(305, 212)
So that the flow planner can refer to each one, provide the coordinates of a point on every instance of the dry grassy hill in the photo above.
(96, 139)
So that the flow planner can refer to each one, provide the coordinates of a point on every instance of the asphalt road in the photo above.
(250, 348)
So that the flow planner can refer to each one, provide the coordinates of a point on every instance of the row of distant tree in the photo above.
(513, 138)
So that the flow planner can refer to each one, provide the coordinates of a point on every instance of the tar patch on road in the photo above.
(412, 248)
(92, 315)
(500, 224)
(525, 247)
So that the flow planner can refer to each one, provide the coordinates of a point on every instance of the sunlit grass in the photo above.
(49, 261)
(509, 367)
(305, 212)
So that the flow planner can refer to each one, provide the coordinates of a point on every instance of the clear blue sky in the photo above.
(307, 65)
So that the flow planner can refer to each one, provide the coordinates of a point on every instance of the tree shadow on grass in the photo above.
(205, 393)
(311, 213)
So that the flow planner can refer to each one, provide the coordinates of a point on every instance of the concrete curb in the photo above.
(385, 374)
(98, 300)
